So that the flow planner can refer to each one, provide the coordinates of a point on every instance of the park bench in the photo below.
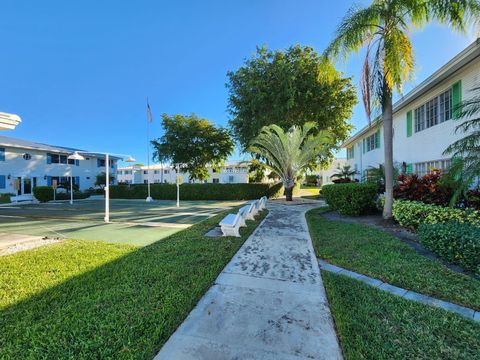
(230, 224)
(248, 211)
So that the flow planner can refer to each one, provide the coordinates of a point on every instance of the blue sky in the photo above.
(78, 72)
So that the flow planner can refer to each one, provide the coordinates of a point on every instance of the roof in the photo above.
(9, 121)
(464, 58)
(6, 141)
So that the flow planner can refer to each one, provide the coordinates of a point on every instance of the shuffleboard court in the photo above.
(132, 221)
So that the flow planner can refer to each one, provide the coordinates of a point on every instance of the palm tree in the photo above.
(383, 28)
(289, 153)
(465, 168)
(344, 172)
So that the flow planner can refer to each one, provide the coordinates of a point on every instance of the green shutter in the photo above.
(409, 124)
(377, 139)
(456, 98)
(409, 168)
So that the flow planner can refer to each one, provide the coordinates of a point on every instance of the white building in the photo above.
(35, 164)
(230, 173)
(423, 120)
(325, 175)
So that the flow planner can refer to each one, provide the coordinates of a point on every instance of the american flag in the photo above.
(149, 112)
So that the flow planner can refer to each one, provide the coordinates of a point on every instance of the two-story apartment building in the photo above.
(231, 172)
(424, 120)
(35, 164)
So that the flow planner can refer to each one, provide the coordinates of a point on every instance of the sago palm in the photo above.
(383, 28)
(344, 172)
(288, 153)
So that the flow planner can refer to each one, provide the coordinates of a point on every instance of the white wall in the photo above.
(16, 166)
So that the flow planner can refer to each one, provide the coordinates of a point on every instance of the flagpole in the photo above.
(149, 198)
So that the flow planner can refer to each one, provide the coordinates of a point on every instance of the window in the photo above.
(56, 159)
(446, 105)
(431, 112)
(145, 181)
(370, 142)
(215, 181)
(350, 153)
(231, 179)
(156, 172)
(2, 182)
(166, 171)
(120, 172)
(434, 111)
(427, 167)
(145, 172)
(100, 162)
(2, 154)
(419, 115)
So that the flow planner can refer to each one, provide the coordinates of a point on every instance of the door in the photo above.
(18, 185)
(27, 186)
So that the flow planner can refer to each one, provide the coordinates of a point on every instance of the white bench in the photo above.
(230, 224)
(248, 211)
(262, 203)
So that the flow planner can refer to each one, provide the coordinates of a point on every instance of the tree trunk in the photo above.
(289, 193)
(387, 116)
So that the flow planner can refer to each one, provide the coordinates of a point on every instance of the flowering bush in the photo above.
(427, 189)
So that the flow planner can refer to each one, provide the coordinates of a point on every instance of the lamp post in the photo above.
(126, 158)
(75, 156)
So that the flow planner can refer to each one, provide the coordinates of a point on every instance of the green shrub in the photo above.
(413, 213)
(5, 198)
(350, 198)
(197, 191)
(43, 193)
(455, 242)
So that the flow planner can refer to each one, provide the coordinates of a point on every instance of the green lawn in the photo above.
(375, 253)
(85, 299)
(372, 324)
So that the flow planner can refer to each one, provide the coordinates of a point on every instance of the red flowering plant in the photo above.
(428, 189)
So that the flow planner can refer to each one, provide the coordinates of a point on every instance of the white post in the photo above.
(178, 195)
(107, 188)
(71, 185)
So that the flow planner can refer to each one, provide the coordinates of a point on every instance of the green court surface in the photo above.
(133, 222)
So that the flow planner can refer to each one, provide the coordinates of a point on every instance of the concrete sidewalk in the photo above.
(268, 303)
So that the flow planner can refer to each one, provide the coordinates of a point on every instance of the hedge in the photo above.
(454, 242)
(197, 191)
(413, 213)
(350, 198)
(43, 193)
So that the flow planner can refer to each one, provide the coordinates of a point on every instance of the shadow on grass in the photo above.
(106, 300)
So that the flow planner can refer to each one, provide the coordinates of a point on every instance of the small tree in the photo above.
(192, 143)
(101, 178)
(256, 170)
(288, 154)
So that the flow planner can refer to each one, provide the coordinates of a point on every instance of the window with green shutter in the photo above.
(409, 124)
(456, 98)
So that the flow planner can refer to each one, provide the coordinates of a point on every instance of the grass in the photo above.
(375, 253)
(372, 324)
(84, 299)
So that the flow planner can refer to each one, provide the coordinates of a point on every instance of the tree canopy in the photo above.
(288, 88)
(191, 143)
